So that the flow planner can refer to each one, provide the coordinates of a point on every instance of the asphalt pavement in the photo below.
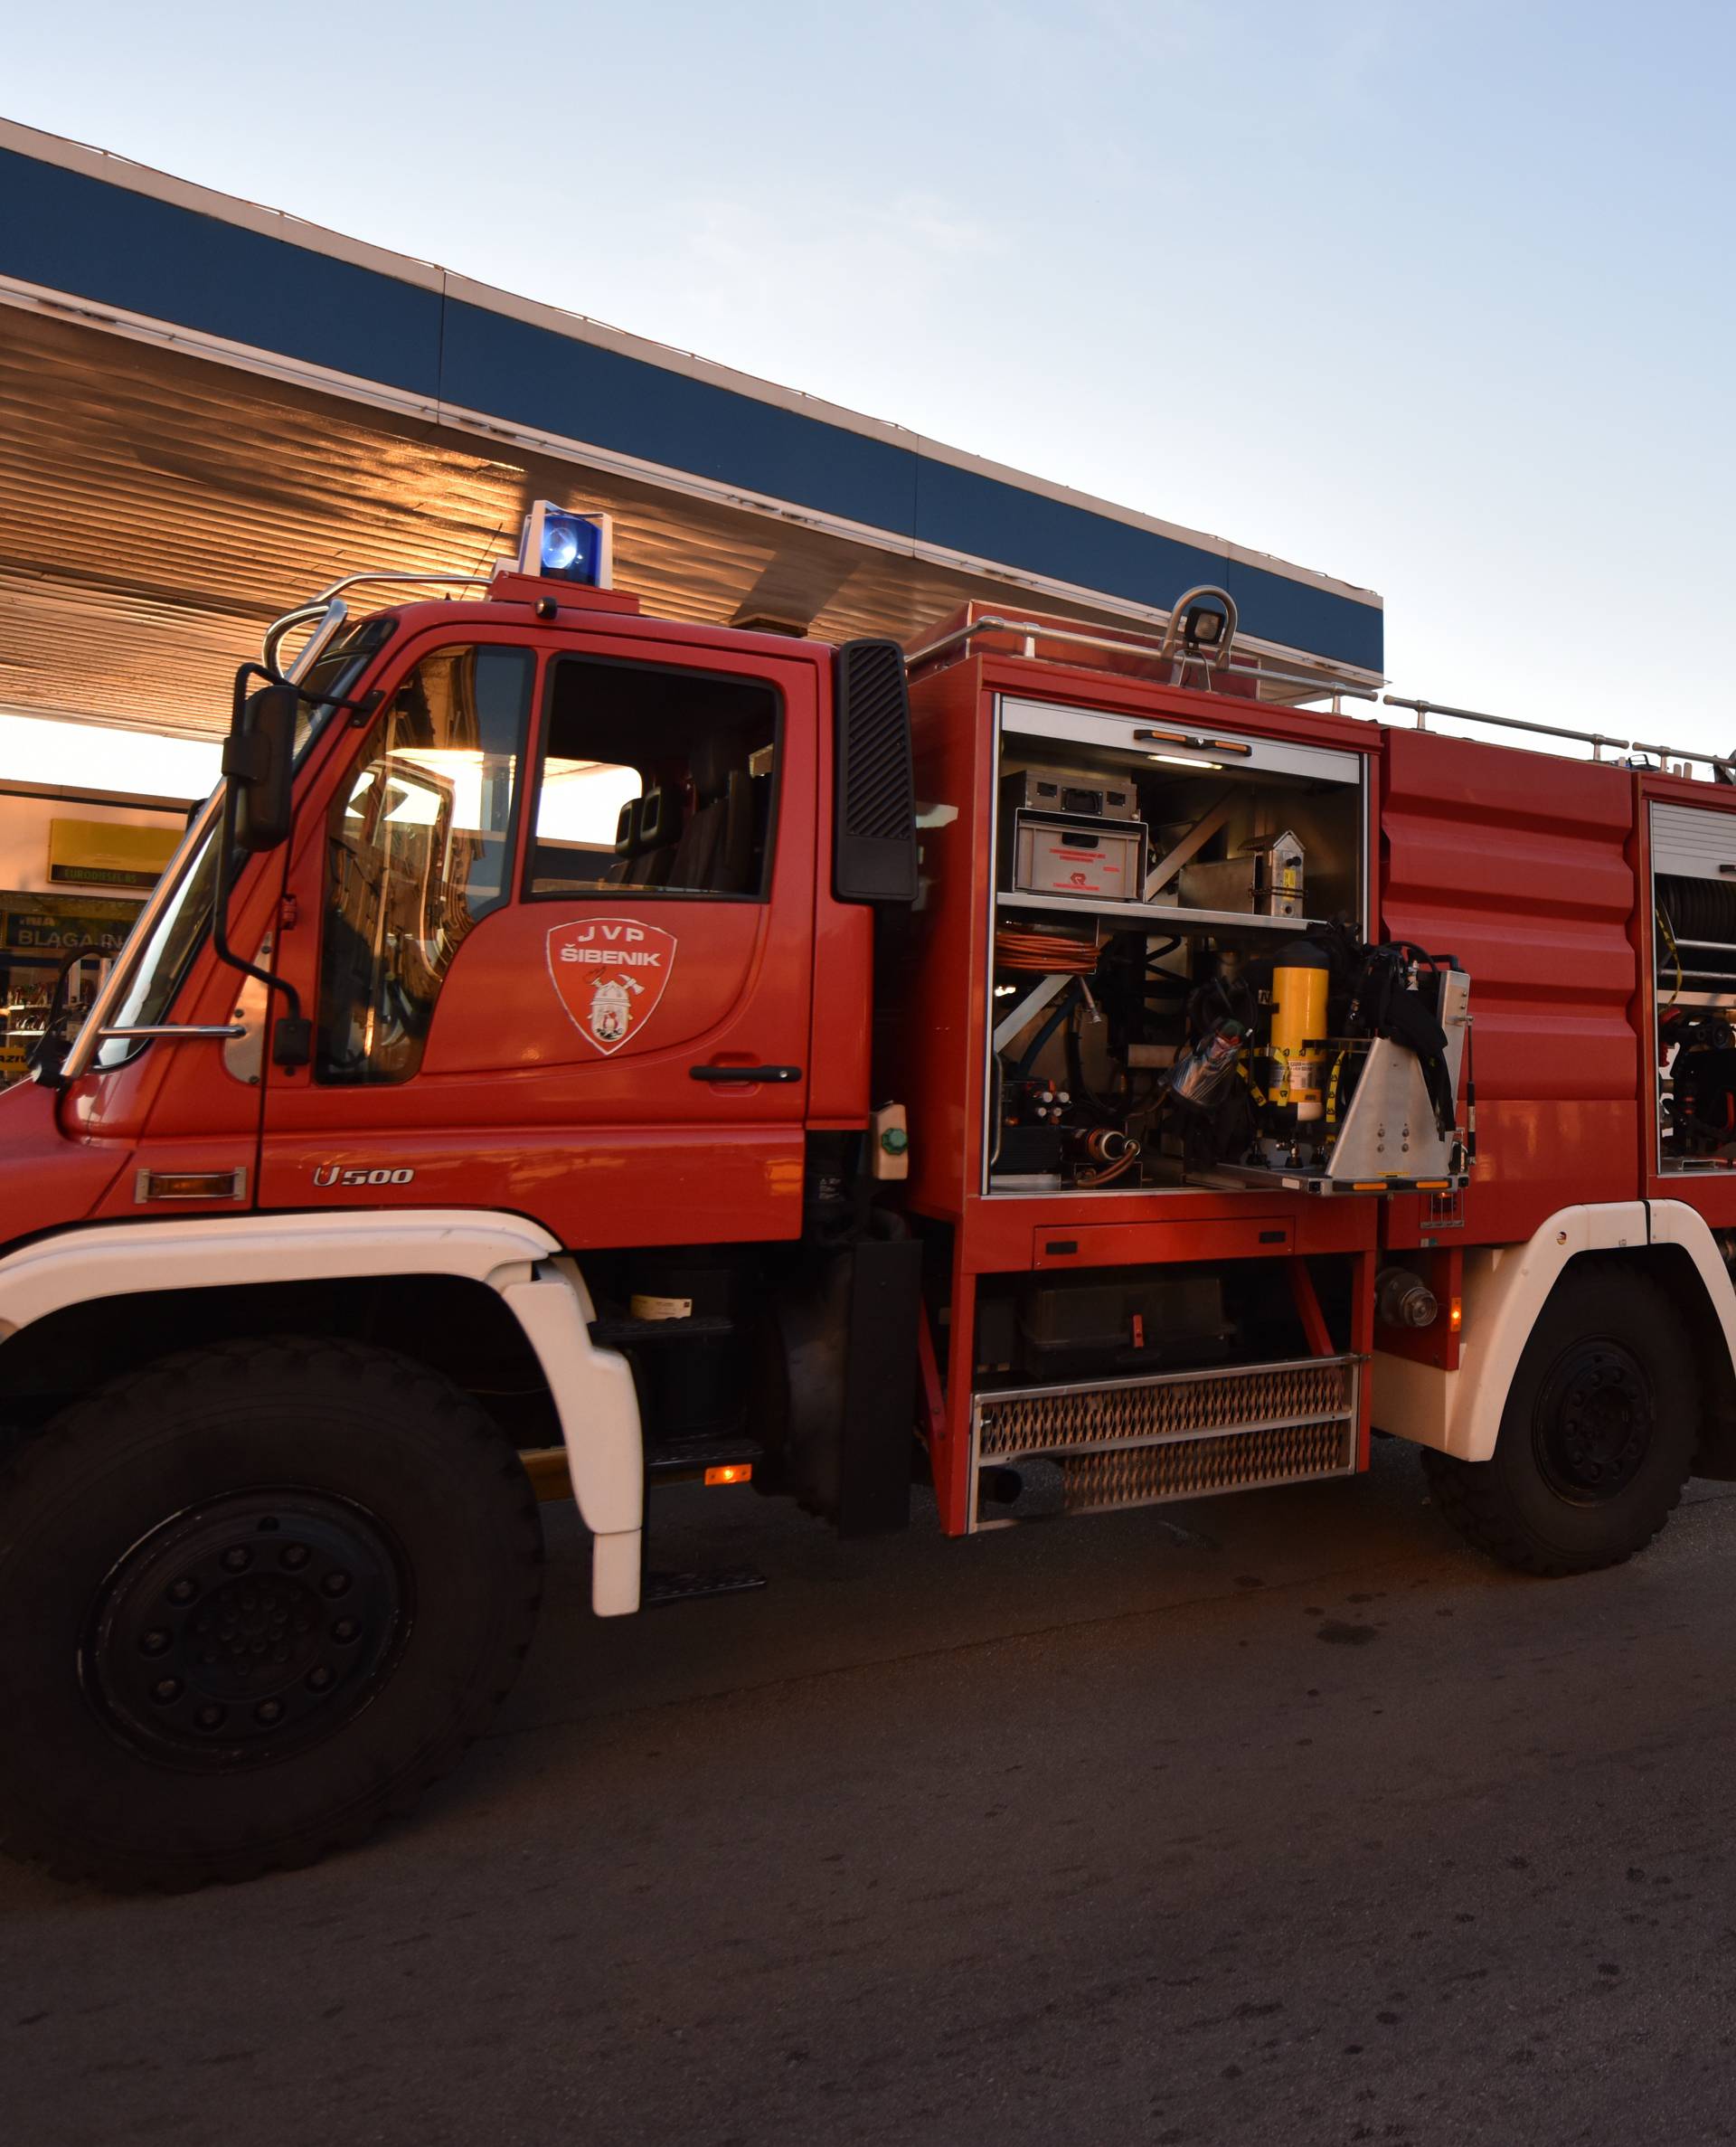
(1273, 1819)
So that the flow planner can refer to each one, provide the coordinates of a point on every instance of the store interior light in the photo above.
(40, 749)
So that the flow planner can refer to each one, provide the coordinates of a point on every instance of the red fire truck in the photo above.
(581, 1049)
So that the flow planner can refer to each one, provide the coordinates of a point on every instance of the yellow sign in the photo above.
(110, 852)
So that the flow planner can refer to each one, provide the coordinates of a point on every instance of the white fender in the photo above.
(598, 1407)
(592, 1389)
(1504, 1289)
(1675, 1222)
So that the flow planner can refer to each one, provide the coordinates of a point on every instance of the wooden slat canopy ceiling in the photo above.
(158, 509)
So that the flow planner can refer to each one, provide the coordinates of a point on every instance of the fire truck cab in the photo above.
(582, 1050)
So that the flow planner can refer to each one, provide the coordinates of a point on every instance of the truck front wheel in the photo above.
(1597, 1438)
(254, 1599)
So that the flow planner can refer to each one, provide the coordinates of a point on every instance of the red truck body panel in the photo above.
(1522, 865)
(513, 1105)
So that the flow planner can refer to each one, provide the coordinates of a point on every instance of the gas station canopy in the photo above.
(209, 411)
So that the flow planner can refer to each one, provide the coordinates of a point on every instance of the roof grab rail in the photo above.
(1723, 767)
(432, 581)
(331, 612)
(1032, 631)
(325, 618)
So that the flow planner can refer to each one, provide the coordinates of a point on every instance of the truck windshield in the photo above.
(155, 965)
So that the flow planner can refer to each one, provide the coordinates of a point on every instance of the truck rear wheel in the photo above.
(254, 1599)
(1597, 1438)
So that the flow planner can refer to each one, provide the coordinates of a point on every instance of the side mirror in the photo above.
(47, 1055)
(258, 761)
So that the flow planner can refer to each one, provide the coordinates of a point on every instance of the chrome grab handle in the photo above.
(325, 618)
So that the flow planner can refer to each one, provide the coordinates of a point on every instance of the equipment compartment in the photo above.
(1694, 996)
(1180, 1033)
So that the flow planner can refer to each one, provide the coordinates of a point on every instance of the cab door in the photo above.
(555, 911)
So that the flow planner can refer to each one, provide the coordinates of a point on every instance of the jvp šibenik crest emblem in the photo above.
(610, 972)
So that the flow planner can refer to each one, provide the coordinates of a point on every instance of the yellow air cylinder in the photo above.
(1300, 977)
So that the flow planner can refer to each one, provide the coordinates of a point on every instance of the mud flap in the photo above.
(885, 1304)
(835, 1394)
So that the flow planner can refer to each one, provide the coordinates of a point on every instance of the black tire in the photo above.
(1598, 1435)
(329, 1552)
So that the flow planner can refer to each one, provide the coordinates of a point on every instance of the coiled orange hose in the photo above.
(1050, 953)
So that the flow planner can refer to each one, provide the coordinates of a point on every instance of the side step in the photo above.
(662, 1589)
(1121, 1443)
(623, 1334)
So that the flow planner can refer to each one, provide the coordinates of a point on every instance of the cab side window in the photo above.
(655, 781)
(417, 850)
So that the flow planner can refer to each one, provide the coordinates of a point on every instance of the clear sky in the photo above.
(1434, 297)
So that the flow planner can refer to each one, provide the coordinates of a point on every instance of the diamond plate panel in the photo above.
(1193, 1468)
(1265, 1397)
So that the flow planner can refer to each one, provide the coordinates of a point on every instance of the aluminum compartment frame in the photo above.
(1275, 756)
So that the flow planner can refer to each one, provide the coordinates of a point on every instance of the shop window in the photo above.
(418, 851)
(655, 781)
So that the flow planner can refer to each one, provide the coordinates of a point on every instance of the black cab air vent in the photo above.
(874, 848)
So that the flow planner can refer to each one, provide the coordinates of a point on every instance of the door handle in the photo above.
(746, 1072)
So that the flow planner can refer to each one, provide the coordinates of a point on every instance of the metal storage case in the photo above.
(1102, 861)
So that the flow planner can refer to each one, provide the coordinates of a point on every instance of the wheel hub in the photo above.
(1594, 1422)
(245, 1629)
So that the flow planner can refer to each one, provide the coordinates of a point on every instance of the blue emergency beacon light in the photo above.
(561, 544)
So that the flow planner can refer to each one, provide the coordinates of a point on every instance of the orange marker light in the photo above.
(732, 1472)
(1456, 1317)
